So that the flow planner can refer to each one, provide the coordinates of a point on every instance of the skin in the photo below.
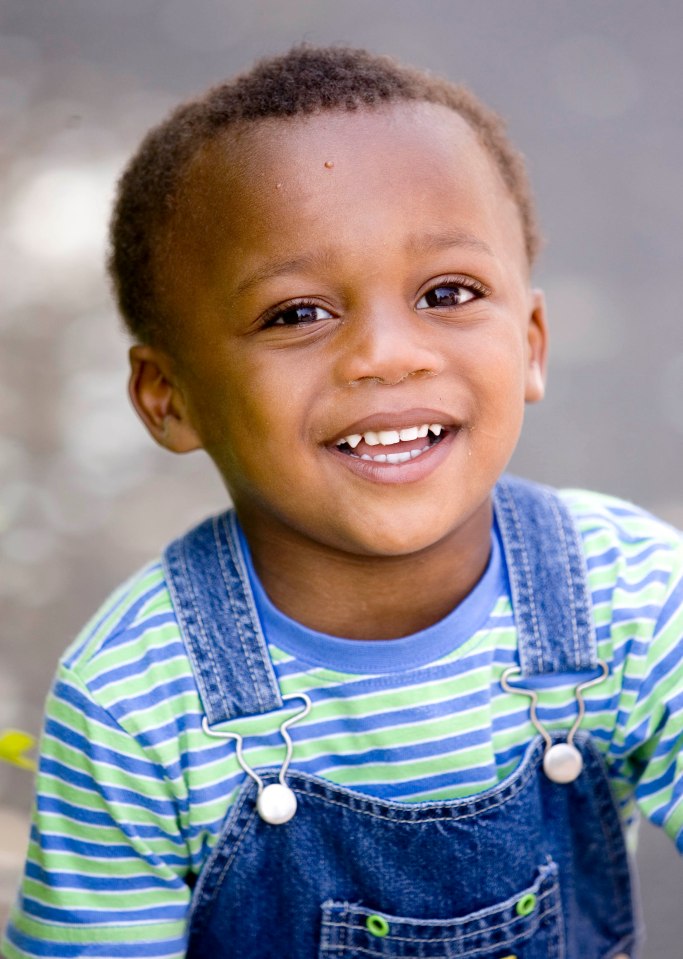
(364, 215)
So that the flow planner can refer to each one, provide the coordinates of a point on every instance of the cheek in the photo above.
(248, 409)
(273, 394)
(496, 368)
(498, 390)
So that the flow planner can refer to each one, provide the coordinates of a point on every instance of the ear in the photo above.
(158, 400)
(537, 343)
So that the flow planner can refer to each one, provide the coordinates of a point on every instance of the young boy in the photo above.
(395, 704)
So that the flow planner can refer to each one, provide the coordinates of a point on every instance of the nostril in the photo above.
(394, 381)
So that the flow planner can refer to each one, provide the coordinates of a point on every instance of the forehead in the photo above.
(345, 180)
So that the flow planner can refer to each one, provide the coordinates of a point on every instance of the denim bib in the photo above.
(533, 868)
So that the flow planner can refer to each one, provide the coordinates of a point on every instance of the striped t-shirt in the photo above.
(132, 794)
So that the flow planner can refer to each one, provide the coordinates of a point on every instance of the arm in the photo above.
(653, 728)
(107, 859)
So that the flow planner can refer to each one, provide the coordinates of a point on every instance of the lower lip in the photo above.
(395, 473)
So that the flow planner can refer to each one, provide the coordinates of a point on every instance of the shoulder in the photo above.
(634, 560)
(609, 525)
(131, 655)
(631, 523)
(138, 608)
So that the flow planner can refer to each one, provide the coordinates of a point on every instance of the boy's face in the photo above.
(346, 275)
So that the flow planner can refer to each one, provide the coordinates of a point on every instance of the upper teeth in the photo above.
(390, 437)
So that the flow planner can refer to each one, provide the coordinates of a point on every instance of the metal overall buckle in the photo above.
(562, 762)
(276, 803)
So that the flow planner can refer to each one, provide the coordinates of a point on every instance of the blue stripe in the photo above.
(169, 913)
(668, 666)
(75, 950)
(111, 793)
(156, 695)
(396, 754)
(478, 777)
(598, 561)
(672, 607)
(95, 752)
(161, 654)
(117, 632)
(150, 881)
(56, 806)
(606, 594)
(414, 715)
(53, 842)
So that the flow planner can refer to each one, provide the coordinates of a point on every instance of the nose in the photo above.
(387, 345)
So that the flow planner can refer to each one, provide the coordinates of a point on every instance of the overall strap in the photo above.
(212, 599)
(548, 579)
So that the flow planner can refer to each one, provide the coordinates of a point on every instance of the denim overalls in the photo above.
(530, 869)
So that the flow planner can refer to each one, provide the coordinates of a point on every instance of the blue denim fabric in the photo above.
(442, 879)
(213, 602)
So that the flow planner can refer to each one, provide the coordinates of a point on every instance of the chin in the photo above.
(395, 540)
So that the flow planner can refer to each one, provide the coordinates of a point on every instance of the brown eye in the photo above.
(299, 315)
(447, 294)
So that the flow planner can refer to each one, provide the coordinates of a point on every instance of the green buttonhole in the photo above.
(377, 925)
(526, 904)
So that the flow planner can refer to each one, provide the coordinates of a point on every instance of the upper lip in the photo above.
(396, 420)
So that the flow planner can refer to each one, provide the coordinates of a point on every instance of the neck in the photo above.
(368, 597)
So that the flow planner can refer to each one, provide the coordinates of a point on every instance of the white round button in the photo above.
(276, 804)
(562, 763)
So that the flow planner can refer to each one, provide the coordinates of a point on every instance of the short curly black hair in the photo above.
(305, 80)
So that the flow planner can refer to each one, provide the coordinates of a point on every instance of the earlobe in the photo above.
(158, 400)
(537, 338)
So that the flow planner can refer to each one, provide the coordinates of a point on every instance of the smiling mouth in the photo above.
(392, 446)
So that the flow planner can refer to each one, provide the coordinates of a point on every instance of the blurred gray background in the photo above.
(592, 94)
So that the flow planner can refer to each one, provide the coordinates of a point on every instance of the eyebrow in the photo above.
(279, 268)
(416, 244)
(429, 242)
